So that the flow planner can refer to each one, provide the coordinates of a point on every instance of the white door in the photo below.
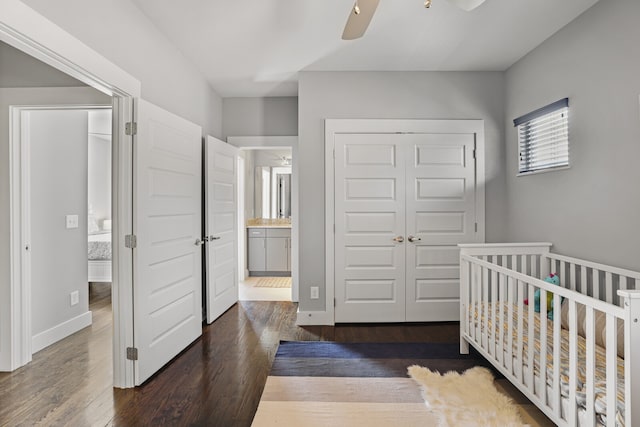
(167, 283)
(402, 204)
(440, 214)
(369, 228)
(221, 221)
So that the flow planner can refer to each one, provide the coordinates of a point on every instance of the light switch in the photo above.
(72, 221)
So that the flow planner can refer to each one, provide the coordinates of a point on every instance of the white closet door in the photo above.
(221, 214)
(440, 214)
(370, 215)
(167, 221)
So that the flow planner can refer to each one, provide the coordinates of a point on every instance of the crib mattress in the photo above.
(99, 248)
(600, 361)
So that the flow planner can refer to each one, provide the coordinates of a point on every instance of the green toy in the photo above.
(552, 278)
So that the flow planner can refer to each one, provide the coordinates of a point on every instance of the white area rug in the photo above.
(467, 400)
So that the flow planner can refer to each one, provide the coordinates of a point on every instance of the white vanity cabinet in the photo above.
(269, 251)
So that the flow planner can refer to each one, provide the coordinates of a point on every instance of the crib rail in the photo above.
(496, 279)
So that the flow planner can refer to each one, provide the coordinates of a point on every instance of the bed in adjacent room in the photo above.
(99, 254)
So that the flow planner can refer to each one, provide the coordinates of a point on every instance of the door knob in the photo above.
(204, 240)
(413, 239)
(398, 239)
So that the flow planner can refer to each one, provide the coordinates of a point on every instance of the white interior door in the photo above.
(440, 214)
(221, 221)
(167, 223)
(369, 228)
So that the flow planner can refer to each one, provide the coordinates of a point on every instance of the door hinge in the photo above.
(334, 302)
(131, 128)
(474, 153)
(130, 241)
(476, 225)
(334, 153)
(132, 353)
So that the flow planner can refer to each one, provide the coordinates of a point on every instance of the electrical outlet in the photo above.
(72, 221)
(315, 292)
(75, 297)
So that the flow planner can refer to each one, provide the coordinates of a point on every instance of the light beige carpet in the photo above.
(270, 282)
(466, 400)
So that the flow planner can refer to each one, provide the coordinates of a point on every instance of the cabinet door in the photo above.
(276, 253)
(257, 254)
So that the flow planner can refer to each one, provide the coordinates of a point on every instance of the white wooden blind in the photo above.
(543, 138)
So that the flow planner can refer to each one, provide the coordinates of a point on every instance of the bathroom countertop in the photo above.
(269, 223)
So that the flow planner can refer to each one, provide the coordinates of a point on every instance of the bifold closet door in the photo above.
(369, 225)
(440, 179)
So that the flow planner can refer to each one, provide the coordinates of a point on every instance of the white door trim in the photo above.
(334, 126)
(30, 32)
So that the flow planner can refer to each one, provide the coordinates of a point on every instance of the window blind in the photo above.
(543, 137)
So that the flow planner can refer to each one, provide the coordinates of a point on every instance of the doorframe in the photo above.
(267, 142)
(390, 126)
(25, 29)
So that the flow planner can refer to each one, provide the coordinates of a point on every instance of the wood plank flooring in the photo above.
(217, 381)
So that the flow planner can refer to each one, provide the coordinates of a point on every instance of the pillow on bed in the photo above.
(600, 320)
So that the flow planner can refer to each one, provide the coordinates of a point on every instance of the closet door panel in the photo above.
(370, 200)
(440, 214)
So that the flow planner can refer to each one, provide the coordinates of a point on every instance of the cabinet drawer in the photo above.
(278, 232)
(255, 232)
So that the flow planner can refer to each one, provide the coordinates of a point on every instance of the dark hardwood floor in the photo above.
(217, 381)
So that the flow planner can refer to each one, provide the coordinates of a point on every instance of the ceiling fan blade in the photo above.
(357, 24)
(467, 5)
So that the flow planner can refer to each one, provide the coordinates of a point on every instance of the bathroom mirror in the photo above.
(272, 192)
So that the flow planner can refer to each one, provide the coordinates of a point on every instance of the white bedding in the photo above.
(99, 246)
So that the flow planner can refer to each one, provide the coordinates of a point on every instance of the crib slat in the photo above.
(494, 302)
(502, 300)
(572, 409)
(622, 284)
(514, 263)
(591, 366)
(584, 289)
(534, 266)
(637, 284)
(608, 280)
(484, 327)
(524, 263)
(542, 357)
(511, 290)
(595, 280)
(557, 402)
(612, 370)
(474, 300)
(531, 335)
(520, 349)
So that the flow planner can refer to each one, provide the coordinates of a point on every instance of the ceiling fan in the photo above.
(363, 10)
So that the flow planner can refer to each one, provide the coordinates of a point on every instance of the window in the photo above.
(543, 138)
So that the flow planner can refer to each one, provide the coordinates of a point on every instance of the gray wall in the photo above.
(58, 188)
(120, 32)
(592, 209)
(388, 95)
(273, 116)
(29, 96)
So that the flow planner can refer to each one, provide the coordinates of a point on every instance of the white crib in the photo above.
(581, 373)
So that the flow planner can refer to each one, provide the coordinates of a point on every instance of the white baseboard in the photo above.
(313, 318)
(58, 332)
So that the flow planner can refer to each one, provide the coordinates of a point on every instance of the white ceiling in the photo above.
(256, 47)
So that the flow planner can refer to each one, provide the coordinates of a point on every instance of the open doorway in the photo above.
(266, 231)
(66, 214)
